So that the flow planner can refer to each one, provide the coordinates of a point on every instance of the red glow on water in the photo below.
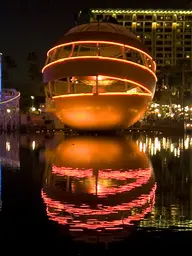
(103, 216)
(108, 173)
(140, 177)
(55, 208)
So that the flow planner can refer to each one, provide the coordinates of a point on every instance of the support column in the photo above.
(68, 183)
(124, 57)
(96, 87)
(68, 85)
(73, 87)
(97, 90)
(98, 50)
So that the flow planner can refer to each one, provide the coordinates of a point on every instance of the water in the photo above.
(96, 192)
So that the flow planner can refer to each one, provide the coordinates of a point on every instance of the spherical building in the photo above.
(95, 192)
(99, 76)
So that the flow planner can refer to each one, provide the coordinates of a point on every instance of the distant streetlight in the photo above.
(32, 97)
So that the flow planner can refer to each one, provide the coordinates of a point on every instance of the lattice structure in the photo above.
(99, 76)
(9, 110)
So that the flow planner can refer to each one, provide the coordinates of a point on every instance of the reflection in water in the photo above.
(0, 186)
(9, 151)
(174, 146)
(98, 184)
(171, 158)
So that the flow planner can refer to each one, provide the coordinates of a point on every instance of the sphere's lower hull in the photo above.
(101, 112)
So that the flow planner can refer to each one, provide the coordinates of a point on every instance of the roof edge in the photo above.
(145, 11)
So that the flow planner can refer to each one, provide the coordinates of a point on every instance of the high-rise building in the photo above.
(167, 33)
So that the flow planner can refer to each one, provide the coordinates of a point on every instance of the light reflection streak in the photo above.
(157, 144)
(141, 176)
(95, 223)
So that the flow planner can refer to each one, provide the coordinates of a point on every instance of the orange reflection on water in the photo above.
(99, 184)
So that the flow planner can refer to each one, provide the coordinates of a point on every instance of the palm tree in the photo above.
(164, 77)
(176, 77)
(8, 64)
(33, 67)
(34, 74)
(85, 16)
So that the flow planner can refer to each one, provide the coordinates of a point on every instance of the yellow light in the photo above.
(33, 145)
(8, 146)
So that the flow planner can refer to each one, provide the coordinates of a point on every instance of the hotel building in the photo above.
(167, 33)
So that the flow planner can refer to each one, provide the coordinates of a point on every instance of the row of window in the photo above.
(166, 49)
(161, 30)
(158, 24)
(165, 41)
(164, 37)
(169, 55)
(150, 17)
(177, 43)
(166, 62)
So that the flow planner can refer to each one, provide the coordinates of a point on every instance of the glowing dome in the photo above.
(101, 27)
(99, 76)
(97, 192)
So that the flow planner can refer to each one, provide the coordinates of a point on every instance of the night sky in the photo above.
(36, 25)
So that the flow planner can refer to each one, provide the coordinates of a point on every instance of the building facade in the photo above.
(9, 110)
(167, 33)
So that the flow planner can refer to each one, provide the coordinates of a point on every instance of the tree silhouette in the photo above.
(84, 16)
(111, 20)
(33, 67)
(8, 64)
(34, 75)
(172, 77)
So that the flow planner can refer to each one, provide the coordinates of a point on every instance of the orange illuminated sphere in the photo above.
(99, 77)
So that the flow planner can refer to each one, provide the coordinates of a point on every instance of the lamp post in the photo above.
(32, 98)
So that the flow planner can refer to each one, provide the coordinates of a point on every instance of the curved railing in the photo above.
(102, 49)
(8, 96)
(68, 63)
(9, 109)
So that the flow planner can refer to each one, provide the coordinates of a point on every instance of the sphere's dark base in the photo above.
(98, 133)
